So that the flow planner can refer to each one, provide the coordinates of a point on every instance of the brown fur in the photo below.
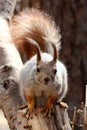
(35, 24)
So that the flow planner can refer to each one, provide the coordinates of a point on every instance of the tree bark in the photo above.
(10, 65)
(7, 8)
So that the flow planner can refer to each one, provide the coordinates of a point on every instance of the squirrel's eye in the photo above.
(38, 69)
(55, 71)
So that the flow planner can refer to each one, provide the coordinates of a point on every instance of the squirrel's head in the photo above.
(45, 70)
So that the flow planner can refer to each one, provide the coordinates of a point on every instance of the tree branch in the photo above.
(7, 8)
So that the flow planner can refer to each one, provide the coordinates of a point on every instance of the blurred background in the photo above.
(71, 17)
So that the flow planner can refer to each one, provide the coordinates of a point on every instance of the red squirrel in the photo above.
(37, 37)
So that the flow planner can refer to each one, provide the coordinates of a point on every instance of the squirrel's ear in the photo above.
(55, 51)
(35, 44)
(55, 54)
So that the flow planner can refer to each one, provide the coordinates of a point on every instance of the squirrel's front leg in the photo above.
(30, 102)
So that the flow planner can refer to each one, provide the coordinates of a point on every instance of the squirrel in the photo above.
(43, 75)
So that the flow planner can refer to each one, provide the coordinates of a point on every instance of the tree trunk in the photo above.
(10, 65)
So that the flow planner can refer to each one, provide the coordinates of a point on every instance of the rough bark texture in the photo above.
(7, 8)
(71, 16)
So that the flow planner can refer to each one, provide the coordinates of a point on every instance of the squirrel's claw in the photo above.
(29, 113)
(46, 112)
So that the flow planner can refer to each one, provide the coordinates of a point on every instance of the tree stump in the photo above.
(58, 120)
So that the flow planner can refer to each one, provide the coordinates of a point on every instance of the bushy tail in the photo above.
(37, 25)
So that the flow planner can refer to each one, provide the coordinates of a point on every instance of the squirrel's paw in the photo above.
(47, 111)
(30, 111)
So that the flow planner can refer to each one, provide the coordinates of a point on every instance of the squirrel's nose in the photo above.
(46, 79)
